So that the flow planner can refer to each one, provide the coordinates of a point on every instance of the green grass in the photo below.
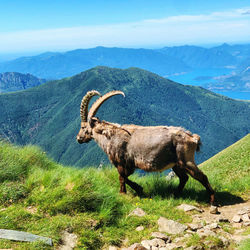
(42, 197)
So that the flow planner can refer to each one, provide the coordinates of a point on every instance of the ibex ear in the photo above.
(93, 121)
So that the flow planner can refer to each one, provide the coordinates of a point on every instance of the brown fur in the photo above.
(152, 148)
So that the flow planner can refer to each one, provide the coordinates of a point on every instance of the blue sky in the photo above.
(60, 25)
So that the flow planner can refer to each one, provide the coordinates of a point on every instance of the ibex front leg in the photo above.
(123, 178)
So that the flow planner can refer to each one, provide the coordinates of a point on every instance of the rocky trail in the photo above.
(222, 230)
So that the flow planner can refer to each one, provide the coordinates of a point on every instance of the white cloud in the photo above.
(216, 27)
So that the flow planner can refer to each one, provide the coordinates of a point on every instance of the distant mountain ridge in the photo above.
(165, 61)
(48, 115)
(13, 81)
(185, 64)
(58, 65)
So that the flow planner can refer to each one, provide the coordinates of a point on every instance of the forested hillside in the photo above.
(48, 115)
(13, 81)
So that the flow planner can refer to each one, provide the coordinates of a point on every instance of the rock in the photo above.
(23, 236)
(140, 228)
(170, 226)
(226, 242)
(203, 232)
(194, 226)
(245, 218)
(237, 225)
(214, 210)
(170, 175)
(236, 218)
(187, 208)
(69, 241)
(212, 226)
(169, 246)
(158, 242)
(137, 212)
(113, 248)
(222, 218)
(194, 248)
(244, 210)
(136, 246)
(246, 224)
(146, 244)
(161, 236)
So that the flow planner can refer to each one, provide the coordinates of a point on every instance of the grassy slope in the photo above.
(42, 197)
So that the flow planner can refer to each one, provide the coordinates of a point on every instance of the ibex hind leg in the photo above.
(181, 173)
(197, 174)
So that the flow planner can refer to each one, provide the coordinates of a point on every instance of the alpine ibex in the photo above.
(154, 148)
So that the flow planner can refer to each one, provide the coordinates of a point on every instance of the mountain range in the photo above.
(13, 81)
(208, 67)
(48, 115)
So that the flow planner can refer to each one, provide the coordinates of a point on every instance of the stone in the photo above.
(222, 218)
(23, 236)
(161, 236)
(140, 228)
(245, 217)
(146, 244)
(170, 226)
(226, 242)
(194, 226)
(214, 210)
(246, 224)
(212, 226)
(69, 241)
(113, 248)
(170, 246)
(136, 246)
(203, 232)
(170, 175)
(236, 218)
(137, 212)
(158, 243)
(237, 225)
(244, 210)
(187, 208)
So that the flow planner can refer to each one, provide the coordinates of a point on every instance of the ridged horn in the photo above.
(85, 104)
(94, 108)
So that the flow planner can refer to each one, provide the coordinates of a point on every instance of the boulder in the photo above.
(170, 226)
(137, 212)
(187, 207)
(236, 218)
(161, 236)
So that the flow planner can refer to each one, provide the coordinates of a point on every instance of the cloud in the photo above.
(216, 27)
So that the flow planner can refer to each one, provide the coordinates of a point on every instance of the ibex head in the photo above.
(88, 119)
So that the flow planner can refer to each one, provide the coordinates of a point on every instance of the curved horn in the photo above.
(85, 103)
(94, 108)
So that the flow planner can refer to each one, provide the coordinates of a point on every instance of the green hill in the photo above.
(41, 197)
(230, 165)
(48, 115)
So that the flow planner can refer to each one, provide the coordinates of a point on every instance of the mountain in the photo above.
(238, 81)
(198, 57)
(57, 65)
(13, 81)
(48, 115)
